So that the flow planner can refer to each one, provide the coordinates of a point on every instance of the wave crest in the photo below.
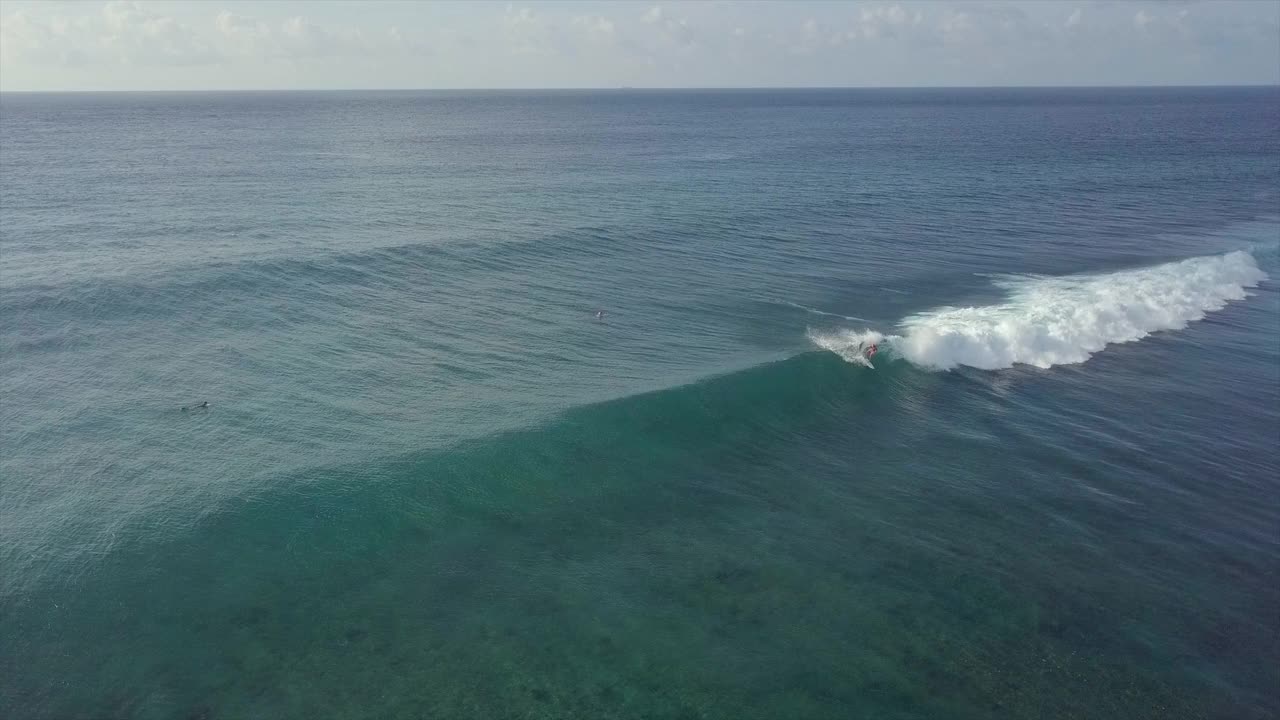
(848, 344)
(1051, 321)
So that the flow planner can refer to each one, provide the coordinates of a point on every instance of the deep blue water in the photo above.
(430, 483)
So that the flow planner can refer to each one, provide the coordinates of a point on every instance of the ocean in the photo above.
(431, 483)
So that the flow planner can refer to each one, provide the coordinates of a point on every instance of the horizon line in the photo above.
(634, 88)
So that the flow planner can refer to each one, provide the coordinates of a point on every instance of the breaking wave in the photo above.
(1049, 321)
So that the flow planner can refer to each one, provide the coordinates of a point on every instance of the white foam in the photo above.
(816, 311)
(1051, 321)
(848, 344)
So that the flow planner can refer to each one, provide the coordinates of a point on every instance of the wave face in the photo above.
(1051, 321)
(724, 518)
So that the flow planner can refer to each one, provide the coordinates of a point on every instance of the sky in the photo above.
(232, 44)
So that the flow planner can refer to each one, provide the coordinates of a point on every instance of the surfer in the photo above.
(867, 350)
(202, 406)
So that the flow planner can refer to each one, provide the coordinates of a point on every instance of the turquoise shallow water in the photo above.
(431, 484)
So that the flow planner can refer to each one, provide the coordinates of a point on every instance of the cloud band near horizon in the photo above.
(133, 45)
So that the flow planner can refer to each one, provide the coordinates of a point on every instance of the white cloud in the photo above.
(300, 39)
(989, 30)
(956, 26)
(596, 26)
(886, 21)
(671, 32)
(534, 44)
(125, 33)
(243, 36)
(135, 34)
(129, 33)
(22, 36)
(526, 33)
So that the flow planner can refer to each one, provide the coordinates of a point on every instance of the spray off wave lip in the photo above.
(1049, 321)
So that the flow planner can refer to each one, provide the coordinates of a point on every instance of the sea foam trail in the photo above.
(1051, 321)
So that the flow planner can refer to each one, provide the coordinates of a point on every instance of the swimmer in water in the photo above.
(599, 314)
